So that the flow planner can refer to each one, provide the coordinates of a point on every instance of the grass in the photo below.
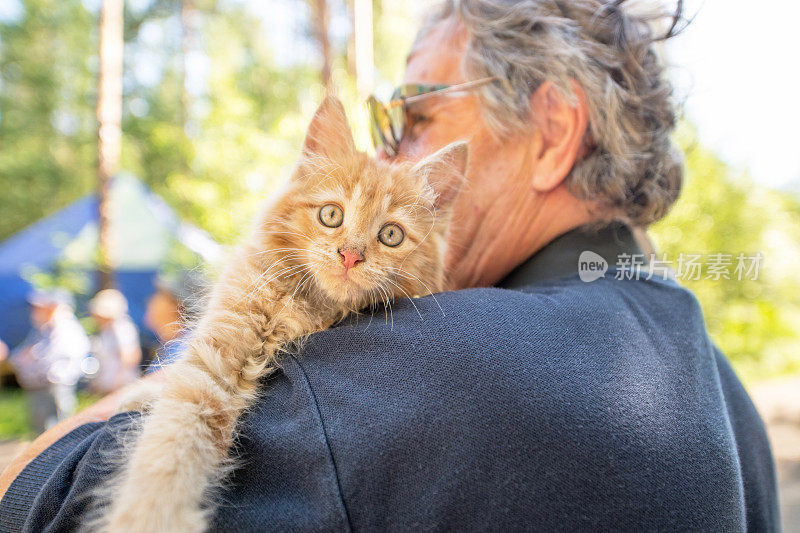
(14, 412)
(13, 415)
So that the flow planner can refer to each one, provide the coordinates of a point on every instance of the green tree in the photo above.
(244, 123)
(721, 211)
(47, 124)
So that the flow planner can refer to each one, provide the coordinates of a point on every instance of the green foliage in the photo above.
(47, 124)
(13, 415)
(14, 412)
(243, 129)
(393, 40)
(753, 321)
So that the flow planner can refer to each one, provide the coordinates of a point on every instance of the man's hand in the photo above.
(99, 412)
(3, 351)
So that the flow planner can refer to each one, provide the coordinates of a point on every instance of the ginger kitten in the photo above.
(346, 233)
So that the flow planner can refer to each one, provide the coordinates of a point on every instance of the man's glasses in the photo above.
(387, 122)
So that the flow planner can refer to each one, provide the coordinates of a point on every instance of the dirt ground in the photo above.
(8, 450)
(779, 405)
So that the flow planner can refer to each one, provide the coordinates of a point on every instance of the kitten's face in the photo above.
(363, 231)
(359, 231)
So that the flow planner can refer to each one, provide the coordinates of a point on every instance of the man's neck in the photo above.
(518, 233)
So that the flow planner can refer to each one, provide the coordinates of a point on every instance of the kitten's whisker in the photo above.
(372, 305)
(281, 274)
(294, 257)
(284, 267)
(388, 303)
(296, 271)
(276, 250)
(433, 224)
(306, 280)
(286, 233)
(291, 298)
(423, 284)
(281, 259)
(391, 314)
(385, 308)
(407, 296)
(258, 281)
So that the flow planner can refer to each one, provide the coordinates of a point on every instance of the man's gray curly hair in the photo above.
(633, 170)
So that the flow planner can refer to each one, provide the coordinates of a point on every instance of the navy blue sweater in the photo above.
(553, 404)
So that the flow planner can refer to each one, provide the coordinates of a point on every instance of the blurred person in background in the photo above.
(168, 312)
(116, 346)
(48, 362)
(3, 363)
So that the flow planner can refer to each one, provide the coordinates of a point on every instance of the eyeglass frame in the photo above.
(398, 100)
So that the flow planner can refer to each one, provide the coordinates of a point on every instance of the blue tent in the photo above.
(144, 231)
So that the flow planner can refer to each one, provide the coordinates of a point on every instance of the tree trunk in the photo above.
(350, 52)
(187, 44)
(321, 19)
(363, 46)
(109, 117)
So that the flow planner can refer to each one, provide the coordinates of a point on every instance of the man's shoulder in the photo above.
(561, 338)
(544, 316)
(611, 348)
(551, 388)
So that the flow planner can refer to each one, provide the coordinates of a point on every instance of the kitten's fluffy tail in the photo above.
(141, 397)
(181, 453)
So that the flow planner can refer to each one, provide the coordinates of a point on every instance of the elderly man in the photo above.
(549, 403)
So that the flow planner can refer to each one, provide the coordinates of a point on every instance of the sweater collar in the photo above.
(559, 258)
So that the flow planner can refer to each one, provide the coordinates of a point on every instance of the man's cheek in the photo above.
(416, 148)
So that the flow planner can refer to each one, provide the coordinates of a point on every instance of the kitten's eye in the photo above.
(331, 215)
(391, 235)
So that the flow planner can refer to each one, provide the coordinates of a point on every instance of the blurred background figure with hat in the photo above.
(116, 346)
(48, 362)
(3, 357)
(170, 311)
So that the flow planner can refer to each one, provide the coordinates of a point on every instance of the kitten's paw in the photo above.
(140, 397)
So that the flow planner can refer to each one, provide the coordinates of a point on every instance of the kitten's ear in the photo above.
(329, 134)
(445, 171)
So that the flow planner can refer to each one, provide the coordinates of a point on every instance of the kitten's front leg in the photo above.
(182, 449)
(141, 396)
(179, 454)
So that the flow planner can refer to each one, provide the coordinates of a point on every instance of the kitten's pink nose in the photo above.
(350, 258)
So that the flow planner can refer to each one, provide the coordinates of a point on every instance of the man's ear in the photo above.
(560, 132)
(329, 134)
(445, 171)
